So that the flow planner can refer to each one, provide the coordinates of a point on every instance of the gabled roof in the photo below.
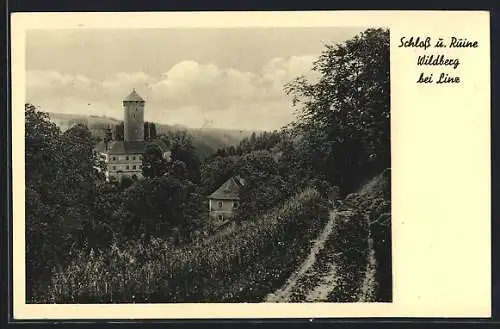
(133, 97)
(230, 190)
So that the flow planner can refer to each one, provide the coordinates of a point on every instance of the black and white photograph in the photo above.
(208, 165)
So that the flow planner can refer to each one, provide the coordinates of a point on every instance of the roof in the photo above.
(133, 97)
(230, 190)
(130, 147)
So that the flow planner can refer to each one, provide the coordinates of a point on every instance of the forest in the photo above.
(150, 240)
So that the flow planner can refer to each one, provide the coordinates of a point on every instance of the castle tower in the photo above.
(133, 122)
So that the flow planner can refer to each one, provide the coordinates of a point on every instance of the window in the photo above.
(127, 157)
(220, 204)
(221, 218)
(134, 167)
(133, 158)
(128, 167)
(114, 158)
(114, 167)
(235, 204)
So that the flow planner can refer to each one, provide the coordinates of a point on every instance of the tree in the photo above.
(263, 188)
(215, 171)
(152, 131)
(61, 180)
(181, 146)
(153, 162)
(119, 132)
(178, 169)
(104, 230)
(125, 182)
(40, 145)
(344, 116)
(149, 131)
(156, 207)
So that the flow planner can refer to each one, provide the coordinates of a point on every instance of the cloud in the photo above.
(189, 93)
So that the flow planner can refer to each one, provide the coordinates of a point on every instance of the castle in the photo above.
(123, 158)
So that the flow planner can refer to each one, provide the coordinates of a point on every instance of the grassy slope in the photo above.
(241, 265)
(353, 263)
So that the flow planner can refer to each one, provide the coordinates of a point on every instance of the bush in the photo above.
(243, 265)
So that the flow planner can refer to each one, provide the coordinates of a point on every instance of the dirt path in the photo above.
(284, 293)
(321, 291)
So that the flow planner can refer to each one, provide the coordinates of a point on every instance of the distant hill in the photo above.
(205, 140)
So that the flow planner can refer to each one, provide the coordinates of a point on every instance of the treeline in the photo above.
(262, 141)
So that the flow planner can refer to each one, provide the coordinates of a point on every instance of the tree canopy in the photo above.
(344, 117)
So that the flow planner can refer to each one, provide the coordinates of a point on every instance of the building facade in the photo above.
(123, 158)
(223, 203)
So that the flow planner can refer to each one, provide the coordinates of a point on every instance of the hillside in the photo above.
(350, 261)
(205, 140)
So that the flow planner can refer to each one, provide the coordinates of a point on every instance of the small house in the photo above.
(225, 200)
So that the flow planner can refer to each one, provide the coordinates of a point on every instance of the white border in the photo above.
(440, 168)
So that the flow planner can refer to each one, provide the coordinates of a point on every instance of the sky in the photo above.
(229, 78)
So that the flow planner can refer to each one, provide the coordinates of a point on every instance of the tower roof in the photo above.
(133, 97)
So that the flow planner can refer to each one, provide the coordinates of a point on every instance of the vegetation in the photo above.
(145, 241)
(351, 239)
(364, 215)
(242, 265)
(344, 117)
